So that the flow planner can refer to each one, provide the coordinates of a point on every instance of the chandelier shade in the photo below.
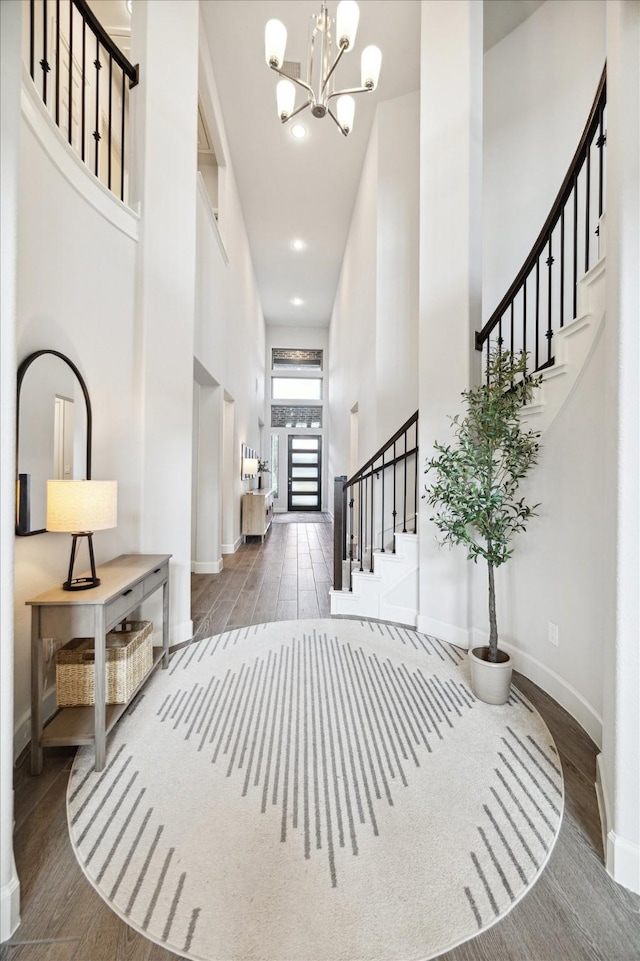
(319, 87)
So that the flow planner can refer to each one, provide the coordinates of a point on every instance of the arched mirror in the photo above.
(53, 433)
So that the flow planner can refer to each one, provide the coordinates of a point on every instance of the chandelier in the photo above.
(320, 84)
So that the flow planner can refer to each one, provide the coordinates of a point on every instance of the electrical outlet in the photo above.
(552, 634)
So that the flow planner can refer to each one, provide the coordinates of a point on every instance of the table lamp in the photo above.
(250, 466)
(79, 508)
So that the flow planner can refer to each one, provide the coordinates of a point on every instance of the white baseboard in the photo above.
(10, 906)
(231, 548)
(22, 729)
(180, 632)
(559, 689)
(206, 567)
(459, 636)
(621, 857)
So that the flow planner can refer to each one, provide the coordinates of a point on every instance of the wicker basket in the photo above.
(129, 658)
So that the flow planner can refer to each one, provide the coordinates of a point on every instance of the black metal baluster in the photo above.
(84, 64)
(382, 506)
(587, 205)
(575, 246)
(549, 333)
(57, 63)
(96, 132)
(363, 518)
(404, 525)
(394, 511)
(351, 538)
(524, 316)
(600, 142)
(44, 63)
(488, 357)
(500, 335)
(373, 476)
(415, 489)
(109, 133)
(70, 104)
(562, 268)
(537, 354)
(122, 142)
(511, 332)
(32, 38)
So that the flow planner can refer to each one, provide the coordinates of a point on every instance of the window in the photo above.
(296, 388)
(288, 359)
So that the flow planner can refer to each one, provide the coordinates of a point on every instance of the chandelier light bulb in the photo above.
(285, 99)
(275, 42)
(298, 244)
(346, 109)
(347, 17)
(370, 67)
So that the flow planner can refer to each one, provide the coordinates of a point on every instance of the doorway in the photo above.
(304, 473)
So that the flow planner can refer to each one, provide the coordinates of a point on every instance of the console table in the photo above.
(125, 583)
(257, 513)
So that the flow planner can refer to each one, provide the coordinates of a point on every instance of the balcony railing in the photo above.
(544, 293)
(84, 80)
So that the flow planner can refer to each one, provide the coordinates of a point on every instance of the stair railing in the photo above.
(380, 500)
(536, 304)
(67, 50)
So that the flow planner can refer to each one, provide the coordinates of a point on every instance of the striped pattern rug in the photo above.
(323, 790)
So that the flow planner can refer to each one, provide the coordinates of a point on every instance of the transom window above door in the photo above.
(296, 388)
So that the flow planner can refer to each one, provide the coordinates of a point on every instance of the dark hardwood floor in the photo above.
(574, 913)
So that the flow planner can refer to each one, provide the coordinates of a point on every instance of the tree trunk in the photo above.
(493, 627)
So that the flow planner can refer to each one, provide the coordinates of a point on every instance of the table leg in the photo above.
(37, 693)
(165, 623)
(100, 717)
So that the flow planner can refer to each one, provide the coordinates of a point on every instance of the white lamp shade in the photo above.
(275, 42)
(347, 17)
(250, 466)
(81, 506)
(346, 109)
(285, 98)
(370, 66)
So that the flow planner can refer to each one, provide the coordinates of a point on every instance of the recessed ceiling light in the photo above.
(297, 301)
(298, 132)
(298, 244)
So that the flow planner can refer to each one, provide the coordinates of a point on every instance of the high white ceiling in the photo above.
(305, 189)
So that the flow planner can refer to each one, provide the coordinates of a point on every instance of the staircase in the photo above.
(390, 592)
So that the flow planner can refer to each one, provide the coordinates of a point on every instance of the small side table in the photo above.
(125, 583)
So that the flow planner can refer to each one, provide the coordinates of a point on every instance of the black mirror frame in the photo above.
(22, 370)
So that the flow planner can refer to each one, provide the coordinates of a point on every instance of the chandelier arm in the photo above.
(297, 80)
(299, 110)
(337, 122)
(335, 64)
(339, 93)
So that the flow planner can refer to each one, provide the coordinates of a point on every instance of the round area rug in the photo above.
(324, 790)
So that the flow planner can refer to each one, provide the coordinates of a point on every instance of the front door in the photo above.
(305, 473)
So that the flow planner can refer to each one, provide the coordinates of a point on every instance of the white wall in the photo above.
(373, 330)
(76, 281)
(229, 327)
(539, 84)
(10, 18)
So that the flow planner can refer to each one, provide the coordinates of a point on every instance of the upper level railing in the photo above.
(82, 76)
(378, 501)
(542, 296)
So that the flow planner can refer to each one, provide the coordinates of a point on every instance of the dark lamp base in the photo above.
(81, 584)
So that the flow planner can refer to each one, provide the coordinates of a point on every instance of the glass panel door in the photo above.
(305, 473)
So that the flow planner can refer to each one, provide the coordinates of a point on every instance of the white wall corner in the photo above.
(10, 906)
(206, 567)
(621, 857)
(232, 548)
(451, 633)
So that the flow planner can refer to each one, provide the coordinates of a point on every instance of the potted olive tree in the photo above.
(475, 492)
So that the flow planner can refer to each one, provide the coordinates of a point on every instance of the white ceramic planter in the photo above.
(490, 682)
